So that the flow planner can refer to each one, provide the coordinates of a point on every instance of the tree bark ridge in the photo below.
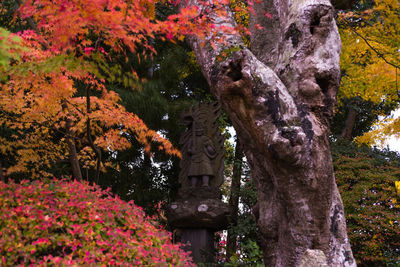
(234, 200)
(349, 124)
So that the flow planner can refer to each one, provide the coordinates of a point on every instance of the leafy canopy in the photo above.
(370, 60)
(71, 49)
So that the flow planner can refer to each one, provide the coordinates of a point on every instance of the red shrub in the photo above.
(73, 223)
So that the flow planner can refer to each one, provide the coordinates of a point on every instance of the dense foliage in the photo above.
(370, 62)
(367, 183)
(57, 95)
(72, 223)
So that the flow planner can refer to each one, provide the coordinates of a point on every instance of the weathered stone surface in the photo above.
(313, 258)
(200, 242)
(192, 213)
(202, 147)
(200, 193)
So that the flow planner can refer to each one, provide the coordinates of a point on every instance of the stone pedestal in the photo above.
(194, 213)
(200, 242)
(196, 221)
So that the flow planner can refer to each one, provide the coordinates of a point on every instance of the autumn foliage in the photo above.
(370, 61)
(55, 96)
(369, 186)
(72, 223)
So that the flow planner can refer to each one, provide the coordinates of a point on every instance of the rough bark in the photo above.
(280, 99)
(234, 200)
(73, 154)
(349, 124)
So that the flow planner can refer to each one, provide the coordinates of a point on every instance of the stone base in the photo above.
(200, 192)
(200, 242)
(202, 214)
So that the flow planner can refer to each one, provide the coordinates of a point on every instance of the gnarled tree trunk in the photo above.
(280, 97)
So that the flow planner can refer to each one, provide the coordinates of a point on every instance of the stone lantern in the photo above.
(198, 211)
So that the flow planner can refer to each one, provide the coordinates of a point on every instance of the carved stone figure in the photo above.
(198, 211)
(202, 147)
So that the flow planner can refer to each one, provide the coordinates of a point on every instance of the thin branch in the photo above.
(380, 55)
(89, 136)
(75, 106)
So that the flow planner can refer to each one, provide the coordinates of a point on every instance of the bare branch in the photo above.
(379, 54)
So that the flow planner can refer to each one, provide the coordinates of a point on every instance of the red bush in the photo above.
(72, 223)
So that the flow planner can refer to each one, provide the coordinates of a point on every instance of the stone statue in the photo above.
(198, 211)
(202, 147)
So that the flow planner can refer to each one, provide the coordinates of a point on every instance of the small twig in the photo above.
(380, 55)
(43, 124)
(75, 106)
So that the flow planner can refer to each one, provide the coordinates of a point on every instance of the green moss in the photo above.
(228, 52)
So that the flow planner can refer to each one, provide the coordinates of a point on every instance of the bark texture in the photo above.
(73, 154)
(280, 97)
(234, 201)
(349, 124)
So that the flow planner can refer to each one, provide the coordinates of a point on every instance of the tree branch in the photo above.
(380, 55)
(96, 149)
(73, 155)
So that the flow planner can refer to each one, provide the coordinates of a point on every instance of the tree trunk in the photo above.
(95, 148)
(349, 124)
(280, 97)
(73, 154)
(234, 200)
(2, 177)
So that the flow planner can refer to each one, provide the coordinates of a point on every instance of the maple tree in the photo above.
(370, 62)
(55, 97)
